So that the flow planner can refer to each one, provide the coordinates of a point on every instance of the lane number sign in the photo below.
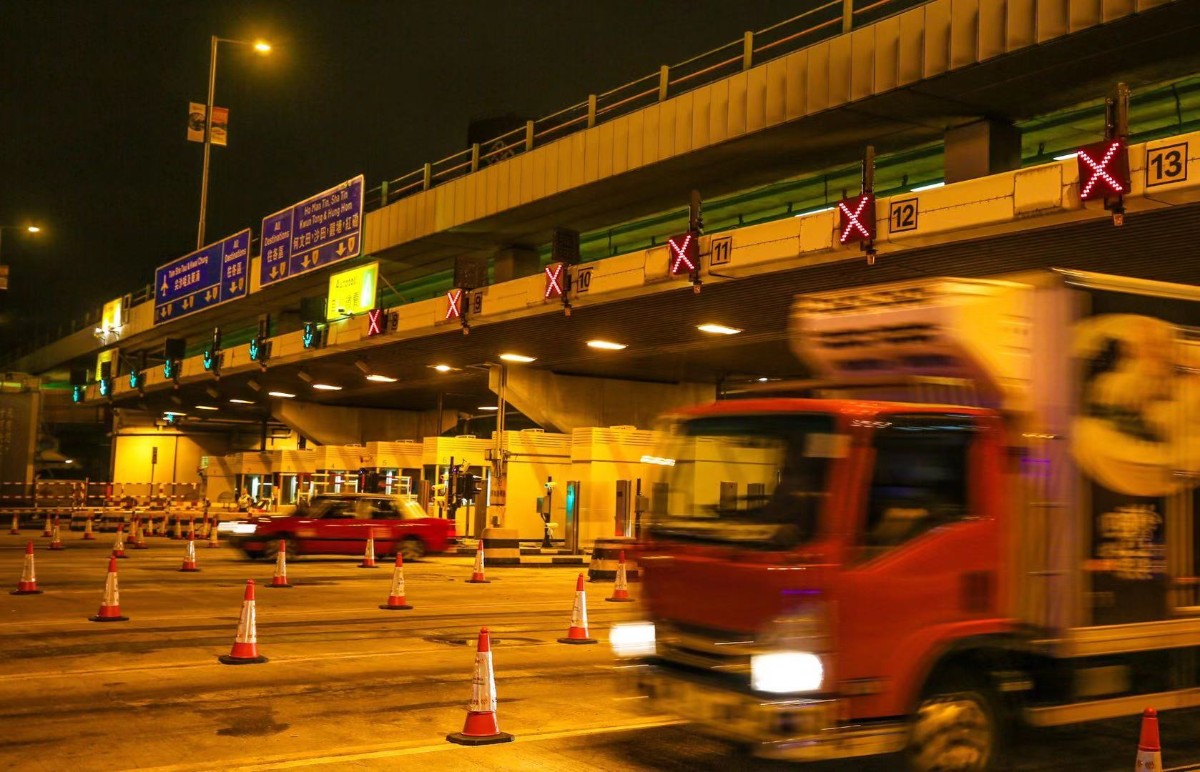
(1166, 164)
(722, 251)
(902, 215)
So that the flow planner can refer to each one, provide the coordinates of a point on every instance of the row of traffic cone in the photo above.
(51, 530)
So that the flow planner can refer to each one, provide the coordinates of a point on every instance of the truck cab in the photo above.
(913, 550)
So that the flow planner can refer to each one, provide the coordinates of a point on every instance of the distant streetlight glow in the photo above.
(33, 229)
(262, 46)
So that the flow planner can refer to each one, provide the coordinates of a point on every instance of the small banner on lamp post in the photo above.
(220, 123)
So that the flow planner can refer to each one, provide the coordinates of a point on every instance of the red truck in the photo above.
(980, 511)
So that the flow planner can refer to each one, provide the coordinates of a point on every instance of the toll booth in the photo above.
(467, 449)
(393, 467)
(607, 465)
(337, 469)
(250, 472)
(534, 456)
(296, 470)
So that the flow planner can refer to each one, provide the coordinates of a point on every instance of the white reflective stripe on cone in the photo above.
(245, 630)
(483, 685)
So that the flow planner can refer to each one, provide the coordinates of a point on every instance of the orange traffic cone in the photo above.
(1149, 756)
(477, 576)
(88, 533)
(245, 643)
(119, 545)
(280, 577)
(110, 604)
(46, 531)
(28, 583)
(621, 588)
(214, 534)
(150, 525)
(189, 556)
(139, 535)
(481, 727)
(55, 539)
(578, 632)
(396, 600)
(368, 560)
(15, 529)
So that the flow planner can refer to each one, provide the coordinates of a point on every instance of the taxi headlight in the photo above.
(632, 639)
(786, 672)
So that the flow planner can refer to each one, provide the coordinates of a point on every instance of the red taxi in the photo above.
(338, 524)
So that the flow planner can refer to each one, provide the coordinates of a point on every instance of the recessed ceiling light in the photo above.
(281, 394)
(607, 345)
(516, 358)
(326, 387)
(442, 368)
(175, 413)
(718, 329)
(488, 407)
(380, 378)
(763, 380)
(207, 407)
(242, 401)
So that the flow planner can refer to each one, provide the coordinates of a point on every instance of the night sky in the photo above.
(94, 96)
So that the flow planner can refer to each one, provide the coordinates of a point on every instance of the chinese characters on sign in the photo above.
(320, 230)
(207, 277)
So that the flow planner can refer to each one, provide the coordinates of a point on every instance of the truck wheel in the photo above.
(412, 548)
(956, 727)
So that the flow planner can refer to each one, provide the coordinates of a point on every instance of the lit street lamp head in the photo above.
(33, 229)
(262, 47)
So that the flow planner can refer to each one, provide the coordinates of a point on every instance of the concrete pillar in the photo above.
(331, 425)
(981, 148)
(562, 403)
(515, 262)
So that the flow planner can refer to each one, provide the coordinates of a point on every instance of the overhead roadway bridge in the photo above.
(979, 94)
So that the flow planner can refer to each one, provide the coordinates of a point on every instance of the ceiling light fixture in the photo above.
(377, 378)
(326, 387)
(442, 368)
(207, 407)
(488, 407)
(281, 394)
(718, 329)
(607, 345)
(242, 401)
(175, 413)
(517, 358)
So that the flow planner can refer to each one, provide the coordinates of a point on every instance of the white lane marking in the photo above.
(295, 762)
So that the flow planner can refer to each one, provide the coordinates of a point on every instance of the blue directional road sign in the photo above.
(207, 277)
(316, 232)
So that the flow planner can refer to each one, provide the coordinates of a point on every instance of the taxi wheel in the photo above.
(271, 548)
(412, 548)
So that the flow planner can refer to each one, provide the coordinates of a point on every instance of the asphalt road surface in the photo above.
(349, 686)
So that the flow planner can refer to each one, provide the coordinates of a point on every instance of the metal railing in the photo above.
(826, 20)
(822, 22)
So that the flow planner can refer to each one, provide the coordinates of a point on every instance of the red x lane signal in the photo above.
(1103, 169)
(683, 254)
(454, 304)
(856, 219)
(375, 320)
(556, 274)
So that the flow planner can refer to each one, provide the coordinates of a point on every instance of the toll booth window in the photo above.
(919, 480)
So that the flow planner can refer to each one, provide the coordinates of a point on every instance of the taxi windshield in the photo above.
(756, 480)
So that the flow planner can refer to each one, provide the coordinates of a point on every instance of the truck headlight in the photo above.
(632, 639)
(786, 672)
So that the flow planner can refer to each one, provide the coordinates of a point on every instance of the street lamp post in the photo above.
(262, 47)
(3, 268)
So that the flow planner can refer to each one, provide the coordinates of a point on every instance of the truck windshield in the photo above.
(754, 480)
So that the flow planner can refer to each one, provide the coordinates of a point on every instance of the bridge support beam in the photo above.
(981, 148)
(561, 403)
(330, 425)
